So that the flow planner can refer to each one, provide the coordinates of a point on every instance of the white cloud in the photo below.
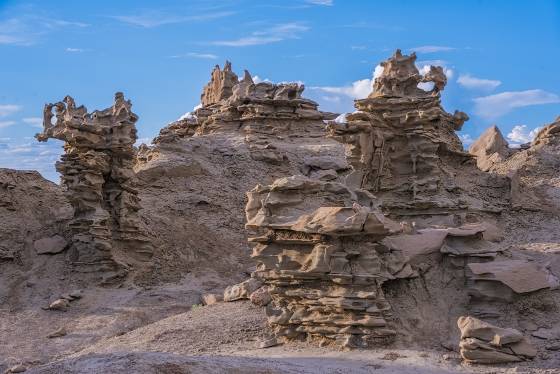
(4, 124)
(497, 105)
(31, 155)
(377, 71)
(152, 19)
(9, 109)
(147, 141)
(358, 47)
(209, 56)
(425, 68)
(34, 121)
(257, 79)
(25, 29)
(474, 83)
(75, 50)
(359, 89)
(520, 134)
(274, 34)
(321, 2)
(432, 49)
(466, 139)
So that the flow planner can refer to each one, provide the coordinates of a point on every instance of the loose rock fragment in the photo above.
(59, 304)
(211, 298)
(261, 297)
(242, 290)
(97, 172)
(484, 343)
(51, 245)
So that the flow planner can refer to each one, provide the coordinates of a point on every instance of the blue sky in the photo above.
(501, 57)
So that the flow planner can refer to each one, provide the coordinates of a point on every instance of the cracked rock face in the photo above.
(97, 174)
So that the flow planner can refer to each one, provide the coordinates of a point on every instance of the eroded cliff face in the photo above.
(340, 270)
(99, 182)
(535, 182)
(196, 173)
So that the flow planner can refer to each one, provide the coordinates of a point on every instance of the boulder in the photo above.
(211, 298)
(261, 297)
(50, 245)
(59, 304)
(484, 343)
(490, 148)
(242, 290)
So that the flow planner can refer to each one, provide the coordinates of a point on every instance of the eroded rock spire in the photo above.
(97, 173)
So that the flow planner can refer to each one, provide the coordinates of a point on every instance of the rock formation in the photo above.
(99, 181)
(402, 145)
(531, 169)
(490, 148)
(33, 210)
(195, 174)
(325, 249)
(262, 112)
(484, 343)
(324, 281)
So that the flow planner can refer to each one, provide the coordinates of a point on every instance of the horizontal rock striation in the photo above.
(402, 145)
(483, 343)
(324, 281)
(97, 174)
(263, 112)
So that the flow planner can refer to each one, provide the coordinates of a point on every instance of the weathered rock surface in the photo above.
(242, 290)
(324, 284)
(325, 249)
(195, 175)
(484, 343)
(402, 146)
(97, 174)
(535, 184)
(32, 208)
(51, 245)
(490, 148)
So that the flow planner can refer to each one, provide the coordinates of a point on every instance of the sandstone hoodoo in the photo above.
(257, 109)
(97, 174)
(327, 250)
(371, 229)
(403, 147)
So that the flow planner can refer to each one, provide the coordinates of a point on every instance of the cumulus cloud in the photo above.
(257, 79)
(432, 49)
(359, 89)
(273, 34)
(521, 134)
(424, 68)
(474, 83)
(497, 105)
(9, 109)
